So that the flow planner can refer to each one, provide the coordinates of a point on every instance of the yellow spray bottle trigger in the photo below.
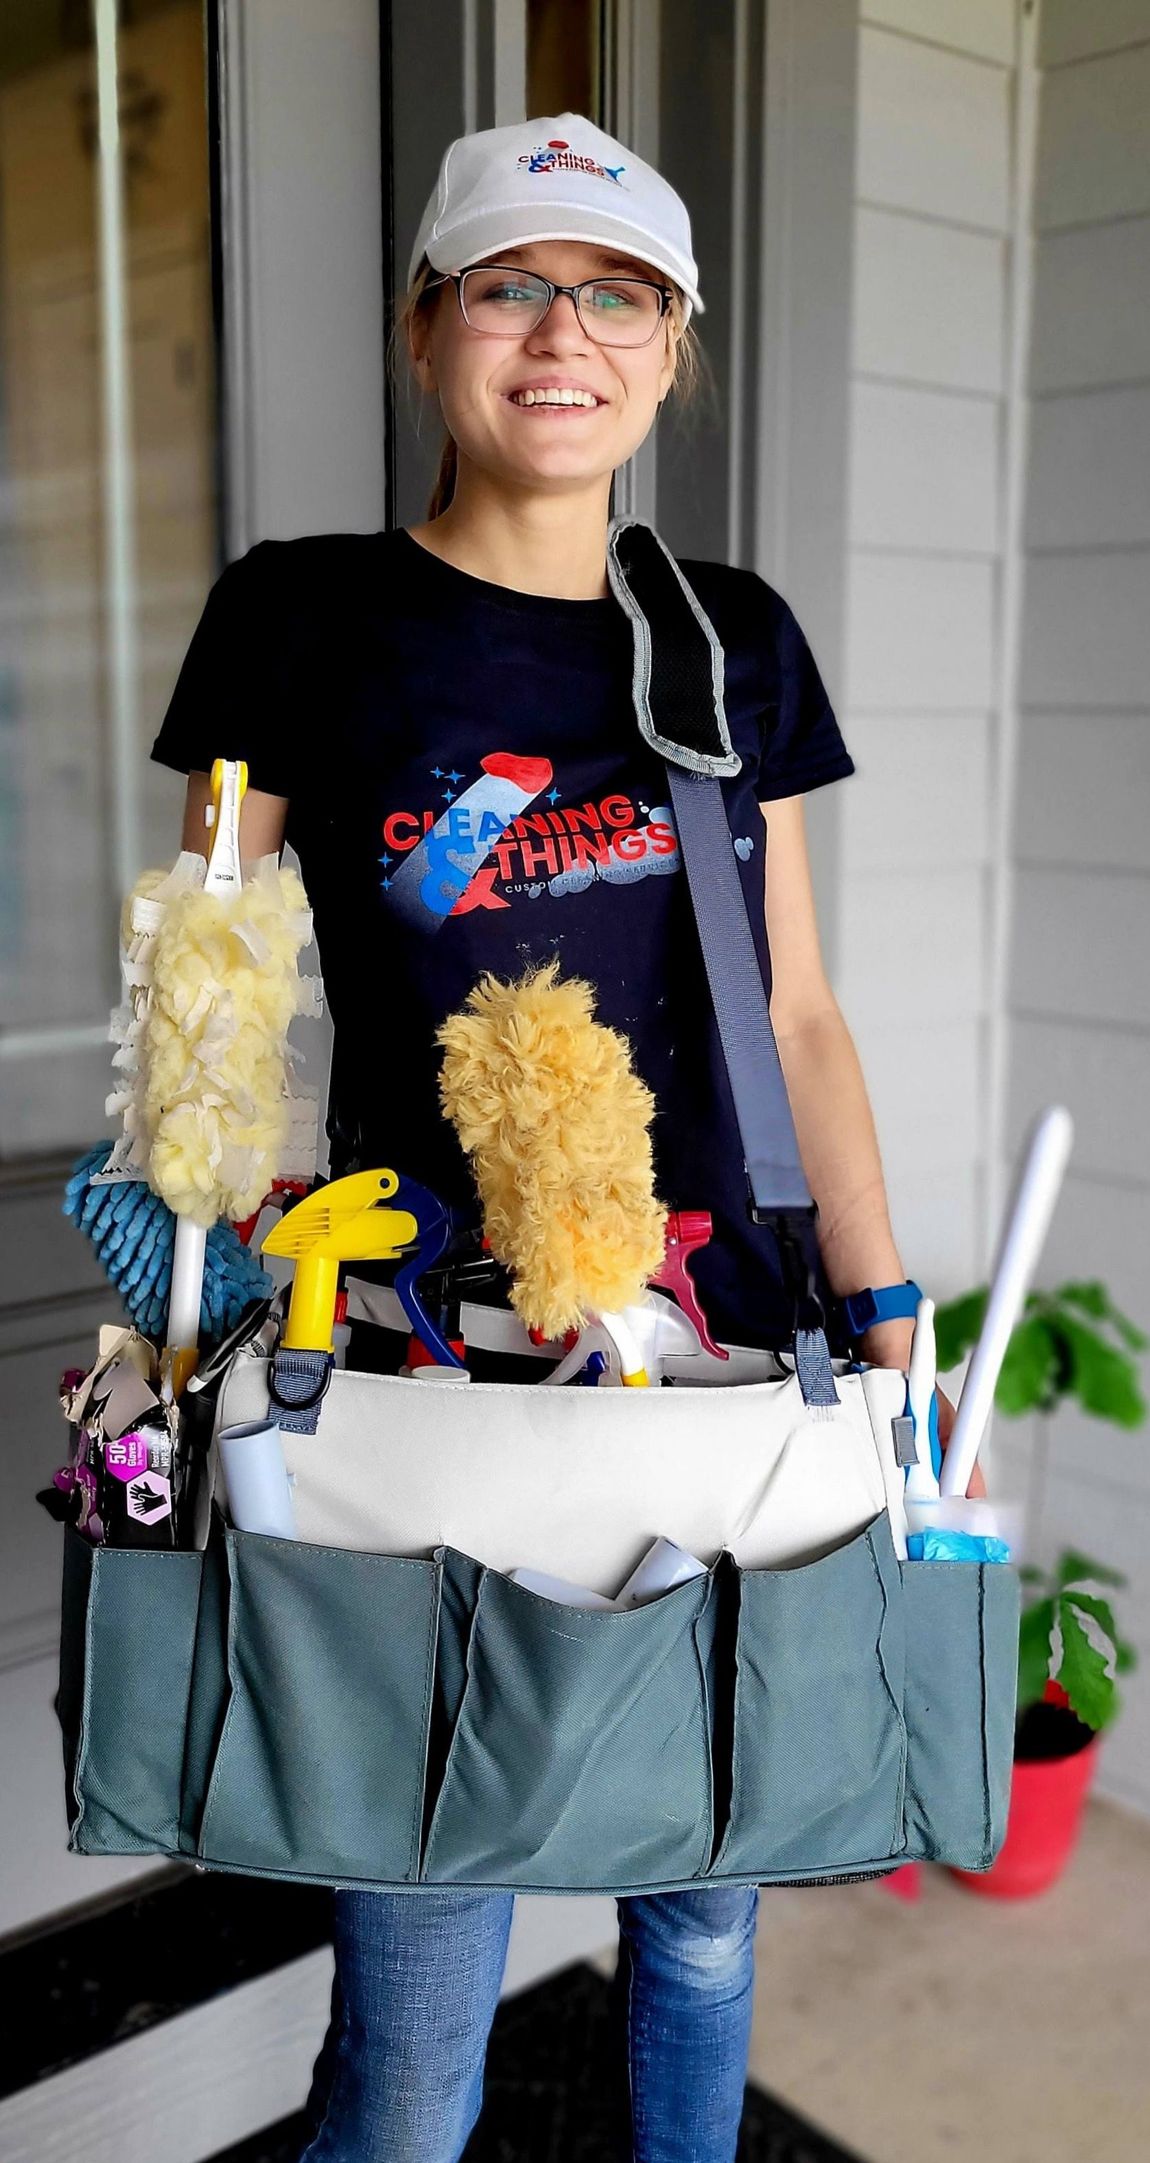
(342, 1222)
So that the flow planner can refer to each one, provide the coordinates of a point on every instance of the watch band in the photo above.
(881, 1303)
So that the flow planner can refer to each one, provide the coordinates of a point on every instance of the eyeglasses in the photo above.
(501, 302)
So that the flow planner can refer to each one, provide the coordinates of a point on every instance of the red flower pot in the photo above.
(1055, 1760)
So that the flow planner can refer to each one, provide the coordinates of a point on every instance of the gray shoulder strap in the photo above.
(678, 696)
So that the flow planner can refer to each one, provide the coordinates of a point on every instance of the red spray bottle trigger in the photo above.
(569, 1338)
(420, 1355)
(687, 1231)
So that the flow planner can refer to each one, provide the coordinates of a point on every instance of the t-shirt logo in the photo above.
(443, 861)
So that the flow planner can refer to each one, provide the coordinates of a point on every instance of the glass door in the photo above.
(108, 510)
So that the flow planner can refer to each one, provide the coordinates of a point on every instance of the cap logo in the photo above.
(558, 157)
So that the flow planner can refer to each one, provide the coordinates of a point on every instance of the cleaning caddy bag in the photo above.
(378, 1702)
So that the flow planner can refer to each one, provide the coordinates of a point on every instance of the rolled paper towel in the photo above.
(559, 1589)
(663, 1566)
(256, 1478)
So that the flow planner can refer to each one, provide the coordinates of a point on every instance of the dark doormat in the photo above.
(124, 1966)
(552, 2091)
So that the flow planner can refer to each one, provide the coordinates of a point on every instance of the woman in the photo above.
(383, 688)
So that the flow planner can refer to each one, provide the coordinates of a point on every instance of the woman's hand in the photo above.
(833, 1118)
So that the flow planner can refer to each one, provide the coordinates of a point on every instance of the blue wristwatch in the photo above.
(882, 1303)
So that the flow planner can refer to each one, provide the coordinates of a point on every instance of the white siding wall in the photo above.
(920, 711)
(1079, 976)
(942, 725)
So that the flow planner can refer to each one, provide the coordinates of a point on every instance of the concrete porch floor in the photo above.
(958, 2029)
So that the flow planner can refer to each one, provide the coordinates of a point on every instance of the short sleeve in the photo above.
(238, 693)
(803, 746)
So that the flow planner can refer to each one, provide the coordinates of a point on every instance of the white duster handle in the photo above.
(187, 1284)
(1027, 1221)
(229, 784)
(229, 787)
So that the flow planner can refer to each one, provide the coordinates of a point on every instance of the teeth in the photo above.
(554, 398)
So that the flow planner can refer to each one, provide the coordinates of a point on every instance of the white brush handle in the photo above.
(187, 1285)
(619, 1329)
(223, 876)
(1027, 1222)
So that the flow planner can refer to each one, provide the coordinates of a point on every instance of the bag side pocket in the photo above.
(127, 1629)
(68, 1703)
(716, 1636)
(579, 1759)
(320, 1764)
(962, 1622)
(458, 1604)
(820, 1742)
(208, 1696)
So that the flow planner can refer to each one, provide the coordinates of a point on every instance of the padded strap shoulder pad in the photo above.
(677, 683)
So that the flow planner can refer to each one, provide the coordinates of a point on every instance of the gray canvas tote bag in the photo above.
(377, 1703)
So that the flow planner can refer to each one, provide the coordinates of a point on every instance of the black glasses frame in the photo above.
(456, 278)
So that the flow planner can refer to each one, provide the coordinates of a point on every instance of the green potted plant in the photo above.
(1069, 1648)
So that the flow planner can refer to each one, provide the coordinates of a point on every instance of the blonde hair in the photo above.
(420, 298)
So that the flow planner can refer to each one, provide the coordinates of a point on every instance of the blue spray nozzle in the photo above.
(438, 1225)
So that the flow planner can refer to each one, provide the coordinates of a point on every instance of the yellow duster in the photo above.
(546, 1104)
(212, 1106)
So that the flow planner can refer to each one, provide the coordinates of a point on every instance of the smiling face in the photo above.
(480, 380)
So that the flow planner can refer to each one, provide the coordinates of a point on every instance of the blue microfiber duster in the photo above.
(134, 1234)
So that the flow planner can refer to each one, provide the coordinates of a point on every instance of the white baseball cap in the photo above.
(559, 179)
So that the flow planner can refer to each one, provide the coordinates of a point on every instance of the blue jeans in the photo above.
(400, 2076)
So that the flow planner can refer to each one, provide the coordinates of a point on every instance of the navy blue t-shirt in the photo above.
(469, 790)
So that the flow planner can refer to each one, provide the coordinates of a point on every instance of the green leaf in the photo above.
(1137, 1339)
(1087, 1603)
(1027, 1367)
(957, 1324)
(1082, 1672)
(1102, 1379)
(1094, 1299)
(1125, 1655)
(1073, 1565)
(1034, 1651)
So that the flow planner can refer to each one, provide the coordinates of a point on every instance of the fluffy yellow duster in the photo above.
(555, 1121)
(212, 1087)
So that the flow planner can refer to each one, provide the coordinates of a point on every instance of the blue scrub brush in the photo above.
(134, 1235)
